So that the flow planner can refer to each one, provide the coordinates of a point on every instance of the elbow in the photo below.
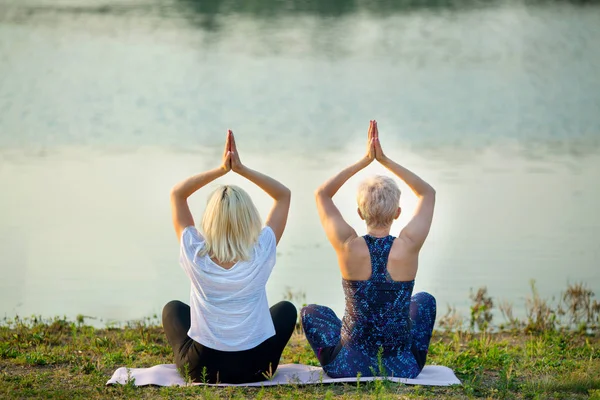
(321, 195)
(286, 194)
(175, 192)
(320, 192)
(429, 191)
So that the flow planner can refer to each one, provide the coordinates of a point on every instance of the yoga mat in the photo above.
(286, 374)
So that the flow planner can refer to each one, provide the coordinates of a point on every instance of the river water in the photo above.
(104, 105)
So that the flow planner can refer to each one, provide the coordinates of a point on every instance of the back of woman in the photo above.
(228, 333)
(231, 308)
(377, 309)
(384, 325)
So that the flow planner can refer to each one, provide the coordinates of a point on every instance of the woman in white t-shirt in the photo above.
(228, 333)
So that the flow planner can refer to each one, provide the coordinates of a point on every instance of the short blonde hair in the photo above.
(231, 225)
(378, 199)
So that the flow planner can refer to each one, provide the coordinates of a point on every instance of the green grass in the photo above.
(62, 359)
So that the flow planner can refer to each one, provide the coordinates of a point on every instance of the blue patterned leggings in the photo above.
(323, 331)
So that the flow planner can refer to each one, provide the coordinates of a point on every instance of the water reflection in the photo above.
(435, 80)
(262, 8)
(87, 232)
(339, 8)
(104, 105)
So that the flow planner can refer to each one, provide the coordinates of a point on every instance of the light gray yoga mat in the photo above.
(287, 374)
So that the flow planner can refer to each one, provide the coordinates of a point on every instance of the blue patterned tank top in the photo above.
(377, 310)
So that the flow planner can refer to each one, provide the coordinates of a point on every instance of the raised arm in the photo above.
(416, 231)
(277, 218)
(180, 211)
(338, 231)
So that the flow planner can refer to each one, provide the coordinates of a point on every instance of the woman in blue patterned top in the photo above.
(384, 325)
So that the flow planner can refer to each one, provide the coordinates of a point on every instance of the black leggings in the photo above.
(207, 365)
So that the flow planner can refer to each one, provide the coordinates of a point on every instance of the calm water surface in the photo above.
(105, 105)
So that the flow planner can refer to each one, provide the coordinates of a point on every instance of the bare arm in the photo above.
(338, 231)
(277, 218)
(180, 211)
(416, 231)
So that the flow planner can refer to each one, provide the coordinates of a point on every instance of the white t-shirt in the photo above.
(229, 308)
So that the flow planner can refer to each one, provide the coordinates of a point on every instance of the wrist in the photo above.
(384, 160)
(242, 170)
(222, 170)
(363, 162)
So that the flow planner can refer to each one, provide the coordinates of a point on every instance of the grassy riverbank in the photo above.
(63, 359)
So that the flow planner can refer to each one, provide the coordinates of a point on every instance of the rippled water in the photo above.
(105, 105)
